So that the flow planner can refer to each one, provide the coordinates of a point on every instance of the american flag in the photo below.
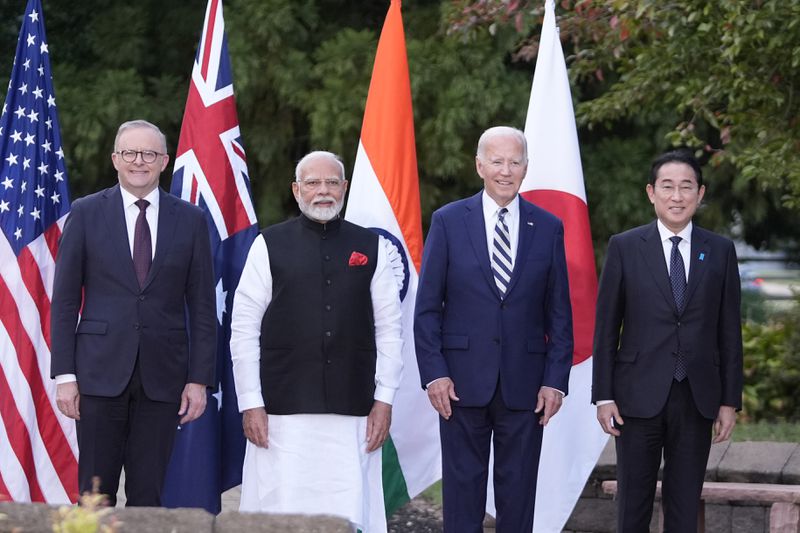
(211, 171)
(38, 446)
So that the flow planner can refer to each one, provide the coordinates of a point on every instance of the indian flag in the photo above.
(384, 196)
(573, 439)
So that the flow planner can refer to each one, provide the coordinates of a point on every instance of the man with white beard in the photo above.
(316, 346)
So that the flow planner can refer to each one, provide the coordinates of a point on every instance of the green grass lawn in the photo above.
(767, 431)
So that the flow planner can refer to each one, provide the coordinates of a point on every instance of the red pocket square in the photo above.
(357, 259)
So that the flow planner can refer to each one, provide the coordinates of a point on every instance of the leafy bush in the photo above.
(772, 368)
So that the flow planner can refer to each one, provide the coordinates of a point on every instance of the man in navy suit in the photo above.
(493, 334)
(133, 320)
(667, 349)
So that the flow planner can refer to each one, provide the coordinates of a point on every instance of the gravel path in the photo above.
(417, 516)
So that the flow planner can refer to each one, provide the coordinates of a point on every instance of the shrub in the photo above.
(772, 368)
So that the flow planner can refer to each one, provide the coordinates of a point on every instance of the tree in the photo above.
(720, 75)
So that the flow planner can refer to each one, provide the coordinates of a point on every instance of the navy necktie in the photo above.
(142, 244)
(677, 278)
(501, 253)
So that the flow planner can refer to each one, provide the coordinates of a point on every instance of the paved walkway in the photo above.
(230, 498)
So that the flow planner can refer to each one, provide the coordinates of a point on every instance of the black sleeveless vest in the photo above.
(318, 333)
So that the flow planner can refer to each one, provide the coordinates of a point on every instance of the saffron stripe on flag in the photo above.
(384, 196)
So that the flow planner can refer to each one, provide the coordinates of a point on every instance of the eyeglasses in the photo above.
(148, 156)
(683, 190)
(314, 183)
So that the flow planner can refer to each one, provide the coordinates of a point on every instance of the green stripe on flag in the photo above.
(395, 491)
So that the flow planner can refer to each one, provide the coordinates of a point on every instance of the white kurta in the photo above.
(315, 463)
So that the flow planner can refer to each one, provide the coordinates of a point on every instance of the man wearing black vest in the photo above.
(316, 343)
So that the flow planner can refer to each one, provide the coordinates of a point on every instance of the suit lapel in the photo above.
(697, 262)
(114, 214)
(526, 229)
(167, 218)
(653, 252)
(476, 229)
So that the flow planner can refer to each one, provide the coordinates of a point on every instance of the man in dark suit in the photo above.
(667, 349)
(134, 263)
(493, 334)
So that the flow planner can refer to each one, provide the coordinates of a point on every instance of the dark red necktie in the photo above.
(142, 245)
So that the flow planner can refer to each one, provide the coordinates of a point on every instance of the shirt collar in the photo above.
(490, 207)
(129, 199)
(665, 233)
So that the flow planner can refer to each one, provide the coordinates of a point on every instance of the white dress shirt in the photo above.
(132, 213)
(254, 295)
(684, 247)
(491, 211)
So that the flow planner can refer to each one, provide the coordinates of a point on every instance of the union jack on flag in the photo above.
(38, 446)
(211, 171)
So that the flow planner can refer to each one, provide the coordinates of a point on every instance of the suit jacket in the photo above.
(464, 329)
(638, 327)
(120, 321)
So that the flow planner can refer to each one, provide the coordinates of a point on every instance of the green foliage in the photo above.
(766, 431)
(772, 368)
(719, 77)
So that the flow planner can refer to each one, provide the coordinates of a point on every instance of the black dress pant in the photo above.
(466, 437)
(684, 436)
(129, 430)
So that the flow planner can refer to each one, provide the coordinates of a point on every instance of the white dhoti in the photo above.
(316, 464)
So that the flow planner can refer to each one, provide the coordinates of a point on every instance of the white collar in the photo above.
(665, 233)
(129, 199)
(490, 207)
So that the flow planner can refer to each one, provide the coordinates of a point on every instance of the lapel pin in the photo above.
(530, 223)
(702, 256)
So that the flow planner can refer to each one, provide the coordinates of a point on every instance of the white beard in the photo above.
(320, 214)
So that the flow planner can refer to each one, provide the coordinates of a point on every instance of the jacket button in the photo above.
(328, 361)
(327, 282)
(136, 326)
(141, 298)
(328, 307)
(327, 258)
(327, 333)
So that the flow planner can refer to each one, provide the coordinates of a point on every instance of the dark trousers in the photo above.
(128, 430)
(517, 439)
(685, 438)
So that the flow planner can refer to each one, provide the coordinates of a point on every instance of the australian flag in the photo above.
(211, 172)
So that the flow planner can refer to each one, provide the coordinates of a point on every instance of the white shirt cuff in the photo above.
(65, 378)
(598, 403)
(250, 400)
(384, 394)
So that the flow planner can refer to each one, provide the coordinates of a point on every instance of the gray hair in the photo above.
(298, 170)
(135, 124)
(502, 131)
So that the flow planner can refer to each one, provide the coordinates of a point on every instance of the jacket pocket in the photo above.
(92, 327)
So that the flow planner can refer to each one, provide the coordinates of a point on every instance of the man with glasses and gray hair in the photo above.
(316, 345)
(133, 278)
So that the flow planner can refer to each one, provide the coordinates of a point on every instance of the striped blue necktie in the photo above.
(502, 265)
